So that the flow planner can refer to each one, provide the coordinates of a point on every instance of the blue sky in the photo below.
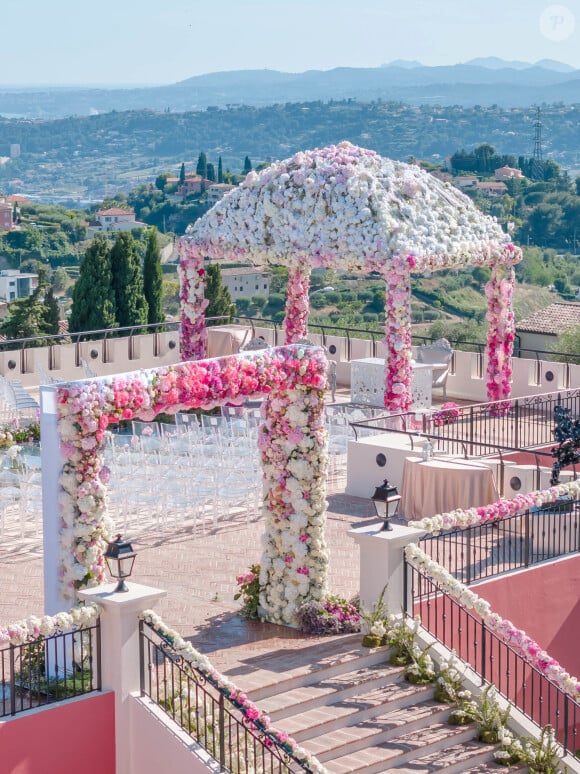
(164, 41)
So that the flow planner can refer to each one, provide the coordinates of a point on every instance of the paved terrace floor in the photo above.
(198, 571)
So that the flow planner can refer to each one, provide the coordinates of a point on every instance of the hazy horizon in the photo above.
(115, 46)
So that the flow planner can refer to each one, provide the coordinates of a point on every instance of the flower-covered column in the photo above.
(295, 461)
(397, 339)
(193, 301)
(85, 526)
(500, 331)
(297, 304)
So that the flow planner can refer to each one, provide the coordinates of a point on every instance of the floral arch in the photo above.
(293, 449)
(346, 207)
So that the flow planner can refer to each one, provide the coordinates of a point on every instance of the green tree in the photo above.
(211, 172)
(247, 166)
(220, 177)
(153, 279)
(220, 301)
(201, 168)
(93, 306)
(182, 174)
(127, 282)
(569, 341)
(60, 280)
(161, 181)
(51, 312)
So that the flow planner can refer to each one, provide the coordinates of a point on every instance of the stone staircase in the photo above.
(356, 713)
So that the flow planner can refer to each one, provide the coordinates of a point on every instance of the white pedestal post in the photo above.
(54, 601)
(381, 562)
(120, 663)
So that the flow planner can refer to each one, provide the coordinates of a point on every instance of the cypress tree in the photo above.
(220, 171)
(211, 172)
(182, 175)
(201, 168)
(153, 279)
(127, 281)
(93, 304)
(247, 165)
(220, 301)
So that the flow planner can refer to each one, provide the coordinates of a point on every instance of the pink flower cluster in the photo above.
(500, 332)
(398, 335)
(446, 415)
(297, 304)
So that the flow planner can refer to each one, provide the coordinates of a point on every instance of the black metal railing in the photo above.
(511, 425)
(494, 548)
(50, 669)
(492, 659)
(193, 702)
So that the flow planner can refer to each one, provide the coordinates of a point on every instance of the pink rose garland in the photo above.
(297, 304)
(397, 339)
(500, 332)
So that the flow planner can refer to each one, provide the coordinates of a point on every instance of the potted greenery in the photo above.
(490, 718)
(376, 622)
(542, 755)
(401, 637)
(421, 670)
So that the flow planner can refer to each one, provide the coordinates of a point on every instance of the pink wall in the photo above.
(545, 602)
(76, 736)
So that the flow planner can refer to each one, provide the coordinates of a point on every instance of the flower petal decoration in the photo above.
(345, 207)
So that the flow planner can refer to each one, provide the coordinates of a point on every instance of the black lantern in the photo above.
(386, 501)
(120, 557)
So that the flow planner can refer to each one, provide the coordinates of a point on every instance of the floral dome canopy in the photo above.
(348, 207)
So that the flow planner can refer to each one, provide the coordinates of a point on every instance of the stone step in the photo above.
(420, 748)
(330, 690)
(355, 709)
(288, 672)
(382, 727)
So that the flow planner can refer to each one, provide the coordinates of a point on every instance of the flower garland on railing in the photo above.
(514, 637)
(33, 627)
(283, 375)
(501, 509)
(398, 335)
(293, 448)
(255, 718)
(297, 304)
(500, 331)
(193, 301)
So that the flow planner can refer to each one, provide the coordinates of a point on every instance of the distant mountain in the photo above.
(552, 64)
(495, 63)
(406, 64)
(466, 84)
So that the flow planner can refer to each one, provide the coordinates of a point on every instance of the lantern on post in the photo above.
(386, 500)
(120, 558)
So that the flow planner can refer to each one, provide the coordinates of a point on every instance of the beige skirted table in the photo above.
(440, 485)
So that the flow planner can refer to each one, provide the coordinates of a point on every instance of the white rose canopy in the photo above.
(345, 207)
